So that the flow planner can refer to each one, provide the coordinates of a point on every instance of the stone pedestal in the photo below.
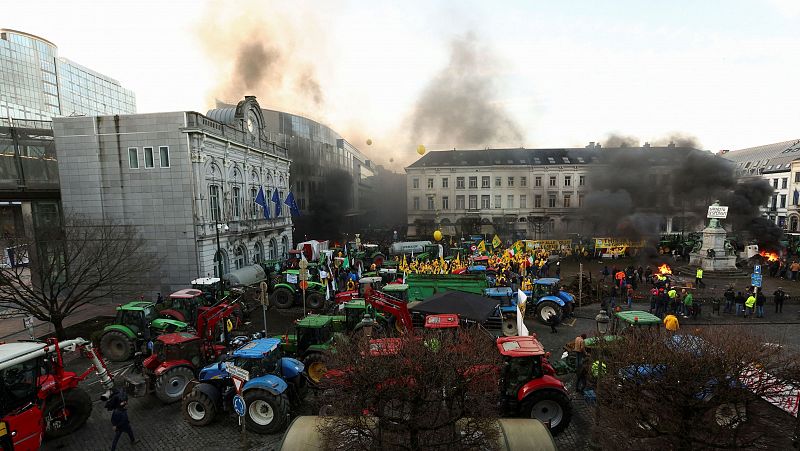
(713, 238)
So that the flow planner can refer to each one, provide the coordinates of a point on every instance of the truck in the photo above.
(423, 286)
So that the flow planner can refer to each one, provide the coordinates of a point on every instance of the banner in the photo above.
(547, 245)
(609, 243)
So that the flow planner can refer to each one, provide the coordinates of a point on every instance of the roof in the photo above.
(314, 321)
(257, 348)
(775, 157)
(135, 305)
(444, 321)
(638, 317)
(394, 287)
(205, 281)
(547, 281)
(178, 337)
(222, 115)
(186, 293)
(467, 305)
(523, 346)
(10, 351)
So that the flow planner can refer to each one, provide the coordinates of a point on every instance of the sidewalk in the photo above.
(12, 329)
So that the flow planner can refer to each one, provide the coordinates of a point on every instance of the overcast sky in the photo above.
(565, 72)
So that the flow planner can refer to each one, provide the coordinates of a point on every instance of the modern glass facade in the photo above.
(36, 84)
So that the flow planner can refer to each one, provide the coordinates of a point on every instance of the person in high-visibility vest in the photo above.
(698, 278)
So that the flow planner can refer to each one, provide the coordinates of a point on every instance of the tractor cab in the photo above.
(19, 382)
(445, 326)
(139, 317)
(210, 286)
(635, 322)
(549, 286)
(523, 358)
(184, 305)
(397, 290)
(313, 331)
(259, 357)
(175, 347)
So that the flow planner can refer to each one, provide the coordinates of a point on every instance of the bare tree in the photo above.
(73, 264)
(424, 392)
(707, 390)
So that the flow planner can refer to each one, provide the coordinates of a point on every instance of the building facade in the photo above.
(37, 84)
(187, 181)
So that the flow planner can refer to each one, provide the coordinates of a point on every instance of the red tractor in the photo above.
(189, 304)
(177, 357)
(39, 399)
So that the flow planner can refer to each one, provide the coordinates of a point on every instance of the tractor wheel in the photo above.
(282, 298)
(198, 408)
(378, 259)
(116, 346)
(315, 301)
(171, 383)
(510, 327)
(266, 413)
(551, 407)
(315, 367)
(63, 415)
(545, 309)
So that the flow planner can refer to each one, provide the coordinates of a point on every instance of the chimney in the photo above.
(646, 145)
(671, 144)
(591, 145)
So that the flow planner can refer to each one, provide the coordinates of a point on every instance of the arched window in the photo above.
(284, 247)
(236, 193)
(273, 249)
(258, 253)
(220, 257)
(255, 183)
(239, 258)
(213, 203)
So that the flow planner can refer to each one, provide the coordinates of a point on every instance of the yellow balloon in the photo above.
(369, 142)
(421, 149)
(437, 235)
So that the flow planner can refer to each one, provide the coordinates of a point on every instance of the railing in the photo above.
(262, 142)
(26, 123)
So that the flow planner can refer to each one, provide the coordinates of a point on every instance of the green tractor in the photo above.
(286, 292)
(135, 325)
(313, 337)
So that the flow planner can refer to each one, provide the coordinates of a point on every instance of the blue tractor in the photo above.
(272, 384)
(547, 298)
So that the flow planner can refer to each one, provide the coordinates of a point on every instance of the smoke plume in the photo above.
(618, 140)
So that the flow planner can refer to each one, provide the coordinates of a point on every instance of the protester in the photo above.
(687, 303)
(673, 299)
(795, 268)
(671, 323)
(698, 279)
(630, 296)
(653, 299)
(739, 300)
(553, 321)
(580, 350)
(760, 301)
(750, 304)
(779, 297)
(120, 423)
(729, 295)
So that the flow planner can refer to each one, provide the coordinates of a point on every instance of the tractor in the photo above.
(312, 338)
(135, 325)
(286, 292)
(41, 400)
(189, 304)
(272, 383)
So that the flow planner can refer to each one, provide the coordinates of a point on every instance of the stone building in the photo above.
(187, 181)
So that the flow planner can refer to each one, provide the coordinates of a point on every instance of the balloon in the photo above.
(437, 235)
(369, 142)
(421, 149)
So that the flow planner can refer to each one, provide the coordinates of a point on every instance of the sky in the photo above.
(559, 74)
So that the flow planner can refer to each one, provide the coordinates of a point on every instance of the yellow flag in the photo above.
(457, 256)
(482, 246)
(496, 241)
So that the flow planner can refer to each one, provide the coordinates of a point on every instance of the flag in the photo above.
(327, 292)
(292, 204)
(482, 246)
(496, 241)
(512, 251)
(530, 260)
(277, 199)
(346, 263)
(522, 330)
(359, 270)
(262, 201)
(404, 277)
(458, 262)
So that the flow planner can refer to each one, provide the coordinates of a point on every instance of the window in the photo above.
(416, 203)
(537, 182)
(775, 201)
(238, 257)
(511, 181)
(797, 177)
(473, 182)
(784, 182)
(567, 180)
(566, 200)
(537, 201)
(133, 157)
(415, 183)
(498, 182)
(213, 202)
(552, 180)
(163, 152)
(783, 200)
(485, 202)
(430, 203)
(510, 201)
(581, 180)
(580, 200)
(460, 203)
(551, 201)
(485, 181)
(459, 182)
(253, 204)
(473, 202)
(523, 181)
(775, 183)
(237, 201)
(445, 182)
(148, 157)
(445, 203)
(430, 183)
(498, 201)
(523, 201)
(258, 253)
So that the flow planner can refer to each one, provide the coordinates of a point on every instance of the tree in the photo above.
(72, 264)
(700, 391)
(427, 391)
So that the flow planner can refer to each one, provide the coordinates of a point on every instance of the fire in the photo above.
(664, 269)
(770, 256)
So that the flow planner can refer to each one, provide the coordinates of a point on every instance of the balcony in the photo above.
(262, 142)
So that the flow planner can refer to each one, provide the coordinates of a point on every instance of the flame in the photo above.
(664, 269)
(770, 256)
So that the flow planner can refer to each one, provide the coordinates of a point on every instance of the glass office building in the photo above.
(37, 84)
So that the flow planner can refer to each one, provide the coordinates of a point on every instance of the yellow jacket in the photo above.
(671, 322)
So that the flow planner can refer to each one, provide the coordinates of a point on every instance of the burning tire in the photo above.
(551, 407)
(171, 384)
(266, 413)
(116, 346)
(282, 298)
(315, 301)
(198, 408)
(64, 414)
(547, 308)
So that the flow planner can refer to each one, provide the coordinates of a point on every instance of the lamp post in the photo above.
(219, 249)
(602, 321)
(367, 323)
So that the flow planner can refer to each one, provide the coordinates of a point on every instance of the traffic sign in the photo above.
(238, 405)
(303, 263)
(303, 274)
(237, 372)
(757, 269)
(473, 248)
(237, 383)
(303, 285)
(755, 280)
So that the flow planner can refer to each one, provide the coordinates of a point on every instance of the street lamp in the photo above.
(602, 321)
(219, 250)
(367, 323)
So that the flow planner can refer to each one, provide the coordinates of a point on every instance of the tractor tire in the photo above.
(316, 367)
(282, 298)
(266, 413)
(510, 326)
(551, 407)
(116, 346)
(378, 259)
(315, 301)
(171, 384)
(198, 408)
(64, 415)
(545, 308)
